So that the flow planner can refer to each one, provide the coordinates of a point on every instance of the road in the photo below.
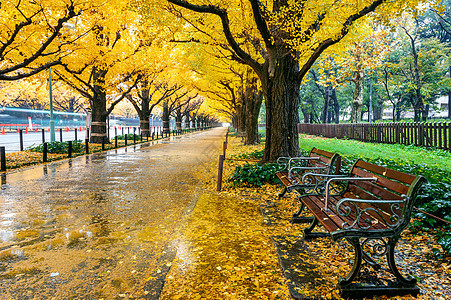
(97, 227)
(11, 140)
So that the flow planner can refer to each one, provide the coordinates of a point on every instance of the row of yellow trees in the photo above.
(175, 53)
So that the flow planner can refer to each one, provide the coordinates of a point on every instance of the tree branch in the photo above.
(222, 14)
(331, 41)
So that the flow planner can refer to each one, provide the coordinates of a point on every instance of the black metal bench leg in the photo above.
(308, 234)
(297, 216)
(357, 262)
(392, 264)
(281, 194)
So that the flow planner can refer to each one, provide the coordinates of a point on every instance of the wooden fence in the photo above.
(419, 134)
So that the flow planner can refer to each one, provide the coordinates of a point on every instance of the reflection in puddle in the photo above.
(184, 255)
(7, 236)
(17, 252)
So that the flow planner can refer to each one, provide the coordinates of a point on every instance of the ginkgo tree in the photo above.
(33, 35)
(32, 93)
(359, 58)
(291, 37)
(105, 60)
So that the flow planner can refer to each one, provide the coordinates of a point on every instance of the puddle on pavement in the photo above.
(94, 227)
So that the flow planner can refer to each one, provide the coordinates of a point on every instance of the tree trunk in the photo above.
(282, 103)
(326, 105)
(144, 117)
(425, 113)
(357, 99)
(144, 124)
(305, 114)
(449, 97)
(252, 111)
(187, 121)
(98, 108)
(165, 118)
(336, 106)
(235, 122)
(178, 119)
(378, 106)
(241, 113)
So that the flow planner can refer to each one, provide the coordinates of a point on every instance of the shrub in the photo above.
(59, 147)
(129, 137)
(255, 174)
(257, 154)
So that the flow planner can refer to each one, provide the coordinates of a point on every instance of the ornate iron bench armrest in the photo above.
(347, 205)
(300, 159)
(322, 175)
(290, 170)
(326, 202)
(317, 179)
(283, 160)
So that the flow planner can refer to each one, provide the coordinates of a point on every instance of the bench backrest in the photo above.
(390, 185)
(332, 161)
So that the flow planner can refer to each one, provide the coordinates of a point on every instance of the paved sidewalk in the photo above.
(98, 227)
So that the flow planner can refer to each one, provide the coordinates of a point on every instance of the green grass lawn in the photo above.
(433, 158)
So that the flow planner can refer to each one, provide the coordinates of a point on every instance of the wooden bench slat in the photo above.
(360, 193)
(385, 182)
(371, 214)
(377, 190)
(320, 161)
(283, 176)
(323, 153)
(393, 174)
(319, 214)
(337, 220)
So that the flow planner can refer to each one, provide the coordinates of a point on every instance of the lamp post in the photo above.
(52, 121)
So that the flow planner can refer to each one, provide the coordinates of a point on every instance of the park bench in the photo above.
(295, 176)
(369, 208)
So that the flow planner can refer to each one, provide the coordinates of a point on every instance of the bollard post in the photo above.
(224, 148)
(76, 138)
(21, 139)
(122, 130)
(3, 159)
(134, 137)
(87, 146)
(141, 135)
(115, 131)
(153, 135)
(103, 144)
(44, 153)
(115, 141)
(61, 135)
(220, 169)
(125, 140)
(69, 149)
(43, 136)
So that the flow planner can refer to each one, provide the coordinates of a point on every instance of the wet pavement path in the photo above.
(98, 227)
